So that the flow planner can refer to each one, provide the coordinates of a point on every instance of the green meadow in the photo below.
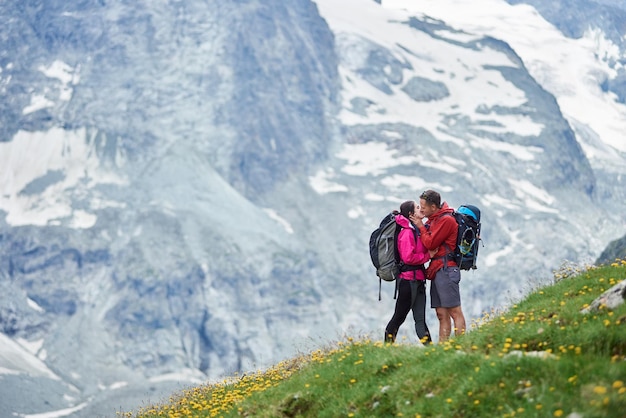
(541, 357)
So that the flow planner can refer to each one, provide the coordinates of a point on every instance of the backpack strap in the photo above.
(448, 250)
(401, 266)
(398, 261)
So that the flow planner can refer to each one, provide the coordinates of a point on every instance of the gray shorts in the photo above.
(444, 289)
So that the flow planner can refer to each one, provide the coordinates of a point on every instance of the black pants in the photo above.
(411, 296)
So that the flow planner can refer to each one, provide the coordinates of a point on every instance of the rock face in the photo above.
(616, 250)
(188, 188)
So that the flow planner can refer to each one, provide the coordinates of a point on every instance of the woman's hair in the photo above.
(407, 208)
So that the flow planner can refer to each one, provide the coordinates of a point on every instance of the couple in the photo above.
(437, 238)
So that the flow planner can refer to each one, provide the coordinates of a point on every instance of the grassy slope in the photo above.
(541, 358)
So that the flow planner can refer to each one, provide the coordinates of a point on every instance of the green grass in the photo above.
(540, 358)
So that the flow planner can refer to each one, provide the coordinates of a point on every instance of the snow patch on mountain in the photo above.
(16, 359)
(322, 182)
(518, 151)
(67, 75)
(372, 158)
(282, 221)
(37, 102)
(533, 197)
(515, 243)
(58, 413)
(459, 69)
(43, 171)
(571, 69)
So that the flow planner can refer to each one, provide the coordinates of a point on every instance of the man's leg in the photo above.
(450, 296)
(445, 324)
(459, 320)
(442, 313)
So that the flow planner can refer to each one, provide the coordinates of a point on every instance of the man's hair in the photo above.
(432, 197)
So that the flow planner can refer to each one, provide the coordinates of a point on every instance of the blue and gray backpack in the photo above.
(465, 252)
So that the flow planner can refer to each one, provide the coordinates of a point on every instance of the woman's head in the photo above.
(408, 208)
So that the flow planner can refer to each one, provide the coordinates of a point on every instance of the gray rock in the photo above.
(610, 299)
(422, 89)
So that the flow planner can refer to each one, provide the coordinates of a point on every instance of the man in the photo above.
(439, 237)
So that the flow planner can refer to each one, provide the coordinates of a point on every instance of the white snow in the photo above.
(59, 70)
(56, 414)
(398, 182)
(322, 182)
(67, 75)
(518, 151)
(356, 212)
(6, 371)
(391, 134)
(497, 200)
(570, 69)
(440, 165)
(15, 359)
(371, 158)
(187, 375)
(373, 197)
(532, 196)
(515, 244)
(83, 220)
(358, 24)
(30, 156)
(32, 346)
(118, 385)
(37, 102)
(491, 259)
(282, 221)
(34, 305)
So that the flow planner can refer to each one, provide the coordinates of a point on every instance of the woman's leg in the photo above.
(403, 306)
(418, 290)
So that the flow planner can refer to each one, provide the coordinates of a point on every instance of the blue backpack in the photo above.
(465, 252)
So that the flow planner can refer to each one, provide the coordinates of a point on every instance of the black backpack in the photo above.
(384, 252)
(465, 252)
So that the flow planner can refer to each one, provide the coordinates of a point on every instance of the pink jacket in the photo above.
(411, 252)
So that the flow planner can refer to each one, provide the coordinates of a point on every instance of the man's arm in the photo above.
(434, 237)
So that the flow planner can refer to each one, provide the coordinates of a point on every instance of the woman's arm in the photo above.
(411, 252)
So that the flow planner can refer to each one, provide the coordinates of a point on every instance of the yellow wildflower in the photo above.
(600, 390)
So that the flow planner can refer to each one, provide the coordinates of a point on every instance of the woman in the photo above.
(412, 280)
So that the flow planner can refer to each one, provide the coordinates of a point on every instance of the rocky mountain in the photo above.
(616, 250)
(188, 188)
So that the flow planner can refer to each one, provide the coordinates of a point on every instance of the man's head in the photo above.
(430, 202)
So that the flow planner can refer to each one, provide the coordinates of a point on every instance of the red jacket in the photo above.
(411, 252)
(439, 229)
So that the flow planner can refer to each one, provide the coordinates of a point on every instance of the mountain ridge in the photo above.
(169, 175)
